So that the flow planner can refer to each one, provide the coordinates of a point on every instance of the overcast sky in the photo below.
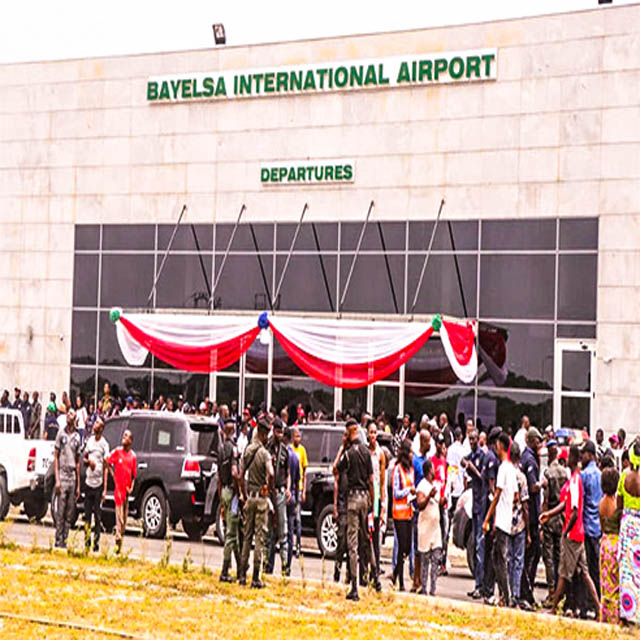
(57, 29)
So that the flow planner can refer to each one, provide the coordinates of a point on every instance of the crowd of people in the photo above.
(577, 509)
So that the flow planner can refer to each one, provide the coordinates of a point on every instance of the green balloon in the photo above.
(436, 323)
(114, 315)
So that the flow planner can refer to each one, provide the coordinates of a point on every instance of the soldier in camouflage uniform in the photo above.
(555, 476)
(256, 481)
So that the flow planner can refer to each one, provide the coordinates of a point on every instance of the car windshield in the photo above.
(203, 439)
(321, 444)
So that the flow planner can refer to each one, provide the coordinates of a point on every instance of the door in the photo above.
(573, 384)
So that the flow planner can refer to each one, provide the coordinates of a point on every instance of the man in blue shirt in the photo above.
(530, 464)
(592, 495)
(473, 465)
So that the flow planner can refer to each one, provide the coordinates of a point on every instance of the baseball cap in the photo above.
(589, 447)
(494, 433)
(564, 454)
(534, 433)
(552, 443)
(613, 438)
(129, 399)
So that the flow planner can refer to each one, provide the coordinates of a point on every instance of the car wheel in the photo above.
(327, 532)
(471, 551)
(108, 519)
(194, 529)
(35, 508)
(4, 498)
(154, 513)
(54, 510)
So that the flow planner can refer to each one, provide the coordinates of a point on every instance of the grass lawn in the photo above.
(129, 598)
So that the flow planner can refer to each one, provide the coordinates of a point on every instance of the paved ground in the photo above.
(209, 552)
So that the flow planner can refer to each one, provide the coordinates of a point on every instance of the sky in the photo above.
(58, 29)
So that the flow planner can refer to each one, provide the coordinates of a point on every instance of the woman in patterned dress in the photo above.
(629, 546)
(609, 566)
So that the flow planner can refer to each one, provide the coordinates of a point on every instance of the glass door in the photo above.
(573, 386)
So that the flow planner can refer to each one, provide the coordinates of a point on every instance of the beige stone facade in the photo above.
(557, 134)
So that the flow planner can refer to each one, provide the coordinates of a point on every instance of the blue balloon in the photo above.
(263, 320)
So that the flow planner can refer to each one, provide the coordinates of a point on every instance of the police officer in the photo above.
(340, 496)
(555, 476)
(228, 481)
(280, 497)
(256, 466)
(356, 461)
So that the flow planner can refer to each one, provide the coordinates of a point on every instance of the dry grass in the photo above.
(152, 601)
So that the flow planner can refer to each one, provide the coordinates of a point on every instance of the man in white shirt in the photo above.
(521, 436)
(502, 505)
(96, 452)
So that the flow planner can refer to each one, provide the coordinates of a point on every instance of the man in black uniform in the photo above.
(280, 497)
(340, 496)
(356, 461)
(228, 479)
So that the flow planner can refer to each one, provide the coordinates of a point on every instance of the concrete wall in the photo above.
(557, 134)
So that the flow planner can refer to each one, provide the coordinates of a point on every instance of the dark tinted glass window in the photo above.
(577, 286)
(370, 289)
(203, 439)
(243, 238)
(304, 287)
(126, 382)
(390, 235)
(255, 391)
(441, 291)
(517, 286)
(184, 239)
(456, 403)
(83, 381)
(182, 283)
(465, 236)
(387, 399)
(516, 355)
(109, 352)
(578, 233)
(326, 234)
(113, 430)
(576, 331)
(282, 364)
(505, 409)
(128, 237)
(241, 285)
(87, 237)
(139, 428)
(354, 401)
(519, 234)
(313, 395)
(167, 436)
(430, 365)
(83, 337)
(126, 280)
(85, 280)
(194, 387)
(227, 390)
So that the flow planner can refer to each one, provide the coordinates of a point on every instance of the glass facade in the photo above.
(528, 282)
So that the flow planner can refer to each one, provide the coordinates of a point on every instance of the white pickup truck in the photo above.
(22, 461)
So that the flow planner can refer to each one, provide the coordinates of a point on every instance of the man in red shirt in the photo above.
(572, 555)
(125, 469)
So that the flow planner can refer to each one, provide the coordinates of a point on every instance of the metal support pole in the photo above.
(293, 242)
(166, 254)
(204, 271)
(426, 259)
(386, 262)
(324, 271)
(353, 262)
(455, 258)
(262, 272)
(226, 253)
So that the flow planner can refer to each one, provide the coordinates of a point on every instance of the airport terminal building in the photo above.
(308, 178)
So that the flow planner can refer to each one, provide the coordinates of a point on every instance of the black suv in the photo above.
(322, 442)
(177, 465)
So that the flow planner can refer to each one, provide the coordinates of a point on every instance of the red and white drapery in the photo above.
(341, 353)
